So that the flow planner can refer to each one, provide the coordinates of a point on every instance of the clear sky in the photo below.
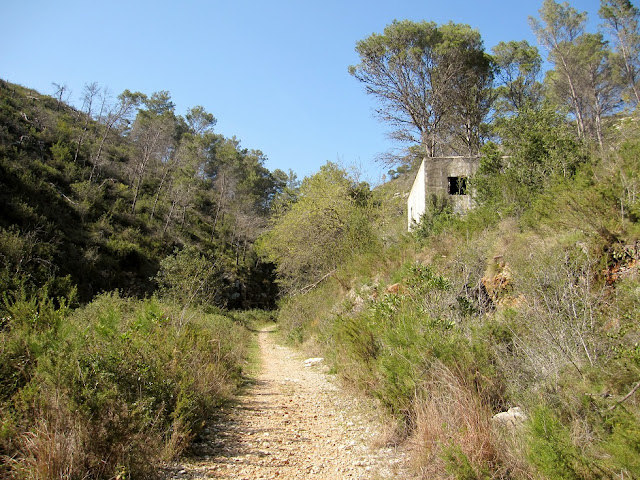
(274, 73)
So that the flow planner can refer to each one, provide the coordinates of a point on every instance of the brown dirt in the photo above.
(292, 422)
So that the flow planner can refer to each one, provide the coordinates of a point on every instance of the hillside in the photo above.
(95, 199)
(126, 237)
(141, 251)
(530, 301)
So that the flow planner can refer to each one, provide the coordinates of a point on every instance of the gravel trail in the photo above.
(292, 423)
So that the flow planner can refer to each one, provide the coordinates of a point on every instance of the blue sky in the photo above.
(274, 73)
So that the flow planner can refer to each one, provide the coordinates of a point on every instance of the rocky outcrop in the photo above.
(511, 418)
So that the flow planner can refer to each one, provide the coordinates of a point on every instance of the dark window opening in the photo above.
(457, 185)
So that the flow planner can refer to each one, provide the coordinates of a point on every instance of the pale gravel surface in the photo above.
(292, 423)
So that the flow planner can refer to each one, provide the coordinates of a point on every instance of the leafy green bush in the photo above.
(438, 214)
(28, 330)
(331, 220)
(124, 382)
(389, 348)
(550, 447)
(537, 147)
(189, 278)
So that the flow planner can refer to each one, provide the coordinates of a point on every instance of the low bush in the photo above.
(120, 385)
(438, 214)
(300, 317)
(400, 336)
(453, 430)
(551, 449)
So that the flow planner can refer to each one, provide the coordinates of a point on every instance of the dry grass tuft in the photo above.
(452, 429)
(54, 449)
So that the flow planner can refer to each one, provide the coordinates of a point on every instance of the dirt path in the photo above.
(292, 423)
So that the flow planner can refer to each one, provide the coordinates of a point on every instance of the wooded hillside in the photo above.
(101, 208)
(501, 344)
(96, 198)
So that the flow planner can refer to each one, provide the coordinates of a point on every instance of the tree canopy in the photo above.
(330, 220)
(433, 82)
(518, 72)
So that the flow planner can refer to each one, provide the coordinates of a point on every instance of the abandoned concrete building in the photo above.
(446, 176)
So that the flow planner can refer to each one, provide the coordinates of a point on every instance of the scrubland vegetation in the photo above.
(111, 388)
(532, 304)
(134, 241)
(530, 300)
(127, 280)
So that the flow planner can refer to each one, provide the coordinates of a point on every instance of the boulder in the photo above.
(309, 362)
(511, 418)
(394, 289)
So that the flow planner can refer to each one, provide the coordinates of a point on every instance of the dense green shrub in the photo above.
(189, 278)
(389, 348)
(124, 382)
(551, 450)
(537, 148)
(438, 214)
(332, 220)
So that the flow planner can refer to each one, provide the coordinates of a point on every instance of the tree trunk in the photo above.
(218, 207)
(165, 173)
(166, 224)
(629, 70)
(142, 168)
(96, 159)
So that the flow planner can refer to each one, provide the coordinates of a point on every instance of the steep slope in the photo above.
(95, 200)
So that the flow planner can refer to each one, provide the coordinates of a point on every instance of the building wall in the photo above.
(438, 171)
(433, 178)
(417, 198)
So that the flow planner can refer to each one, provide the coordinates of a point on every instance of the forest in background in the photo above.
(133, 239)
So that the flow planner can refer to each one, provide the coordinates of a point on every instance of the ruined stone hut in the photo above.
(445, 176)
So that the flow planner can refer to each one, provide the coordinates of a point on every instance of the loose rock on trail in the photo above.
(291, 423)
